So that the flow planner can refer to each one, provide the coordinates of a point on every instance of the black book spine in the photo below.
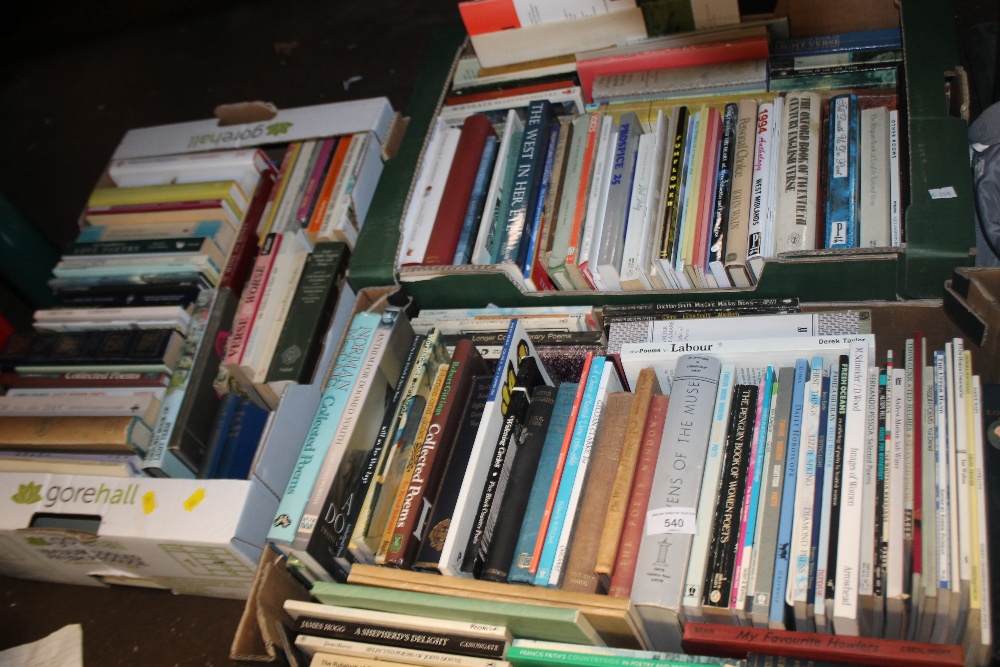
(739, 439)
(386, 635)
(522, 473)
(723, 185)
(429, 554)
(504, 452)
(116, 296)
(838, 467)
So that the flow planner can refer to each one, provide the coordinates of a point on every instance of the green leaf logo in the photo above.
(27, 494)
(37, 541)
(276, 129)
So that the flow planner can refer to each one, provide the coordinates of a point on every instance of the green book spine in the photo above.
(315, 296)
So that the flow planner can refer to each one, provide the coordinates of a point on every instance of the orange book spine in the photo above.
(336, 162)
(582, 194)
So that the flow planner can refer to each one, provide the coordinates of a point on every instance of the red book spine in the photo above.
(245, 247)
(457, 191)
(250, 299)
(642, 483)
(730, 51)
(709, 169)
(482, 16)
(729, 641)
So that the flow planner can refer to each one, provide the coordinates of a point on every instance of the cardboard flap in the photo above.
(257, 637)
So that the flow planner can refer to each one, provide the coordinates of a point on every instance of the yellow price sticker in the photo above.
(194, 499)
(149, 502)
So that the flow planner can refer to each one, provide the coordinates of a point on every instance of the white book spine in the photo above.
(760, 186)
(845, 604)
(711, 479)
(597, 199)
(609, 383)
(798, 174)
(895, 198)
(896, 472)
(284, 217)
(985, 590)
(633, 275)
(145, 406)
(942, 481)
(336, 216)
(874, 179)
(481, 250)
(866, 572)
(379, 654)
(273, 290)
(771, 192)
(426, 197)
(262, 361)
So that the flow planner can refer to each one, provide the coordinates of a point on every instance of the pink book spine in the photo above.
(250, 299)
(315, 178)
(739, 567)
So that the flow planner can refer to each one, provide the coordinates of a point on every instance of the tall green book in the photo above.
(523, 620)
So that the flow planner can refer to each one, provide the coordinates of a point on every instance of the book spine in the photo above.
(760, 187)
(645, 388)
(539, 418)
(805, 492)
(573, 463)
(477, 203)
(842, 173)
(574, 251)
(336, 650)
(291, 509)
(778, 617)
(626, 560)
(895, 196)
(821, 536)
(723, 190)
(725, 543)
(388, 635)
(531, 241)
(584, 540)
(621, 175)
(527, 176)
(672, 205)
(429, 555)
(311, 191)
(280, 180)
(330, 186)
(874, 224)
(458, 188)
(465, 363)
(845, 605)
(658, 585)
(561, 421)
(795, 222)
(739, 199)
(250, 300)
(837, 486)
(698, 563)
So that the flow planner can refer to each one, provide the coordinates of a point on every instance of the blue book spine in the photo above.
(885, 38)
(357, 340)
(529, 241)
(843, 186)
(477, 202)
(527, 176)
(777, 612)
(570, 469)
(530, 525)
(682, 195)
(242, 440)
(818, 490)
(217, 437)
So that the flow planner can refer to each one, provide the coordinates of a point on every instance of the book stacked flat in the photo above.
(705, 470)
(689, 171)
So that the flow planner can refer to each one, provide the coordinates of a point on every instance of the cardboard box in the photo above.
(201, 537)
(938, 234)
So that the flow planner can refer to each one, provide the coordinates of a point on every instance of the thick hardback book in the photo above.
(540, 622)
(798, 173)
(842, 185)
(736, 642)
(301, 338)
(517, 347)
(465, 364)
(458, 190)
(658, 586)
(40, 352)
(645, 389)
(111, 435)
(429, 555)
(506, 532)
(584, 542)
(527, 534)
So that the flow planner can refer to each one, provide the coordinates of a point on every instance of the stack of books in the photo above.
(108, 372)
(685, 171)
(708, 469)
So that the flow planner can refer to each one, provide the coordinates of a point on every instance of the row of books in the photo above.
(698, 195)
(476, 525)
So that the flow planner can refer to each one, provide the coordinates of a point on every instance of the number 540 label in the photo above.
(670, 521)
